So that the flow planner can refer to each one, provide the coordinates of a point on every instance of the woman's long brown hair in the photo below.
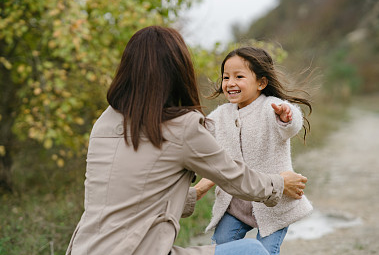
(154, 82)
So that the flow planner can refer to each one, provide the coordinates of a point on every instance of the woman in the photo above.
(144, 152)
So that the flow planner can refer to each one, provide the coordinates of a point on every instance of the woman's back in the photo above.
(126, 189)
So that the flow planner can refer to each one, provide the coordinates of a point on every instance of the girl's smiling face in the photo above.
(239, 83)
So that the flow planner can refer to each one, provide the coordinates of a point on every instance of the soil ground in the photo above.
(343, 179)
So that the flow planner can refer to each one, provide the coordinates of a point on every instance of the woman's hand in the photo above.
(202, 187)
(294, 184)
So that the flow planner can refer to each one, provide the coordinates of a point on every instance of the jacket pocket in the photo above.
(285, 204)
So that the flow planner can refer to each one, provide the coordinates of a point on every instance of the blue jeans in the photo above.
(230, 228)
(246, 246)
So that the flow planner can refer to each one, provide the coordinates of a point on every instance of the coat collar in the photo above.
(247, 109)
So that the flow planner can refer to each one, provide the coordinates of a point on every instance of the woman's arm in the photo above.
(189, 206)
(293, 185)
(202, 187)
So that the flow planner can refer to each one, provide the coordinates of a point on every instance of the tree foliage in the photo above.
(57, 58)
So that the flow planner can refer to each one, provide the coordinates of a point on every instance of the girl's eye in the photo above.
(225, 78)
(239, 76)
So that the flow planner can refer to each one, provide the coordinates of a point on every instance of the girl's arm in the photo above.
(288, 118)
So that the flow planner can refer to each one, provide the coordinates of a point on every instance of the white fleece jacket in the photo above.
(256, 135)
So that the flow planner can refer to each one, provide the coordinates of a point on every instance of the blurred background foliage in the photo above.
(57, 58)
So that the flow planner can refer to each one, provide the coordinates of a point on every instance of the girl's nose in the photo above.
(231, 82)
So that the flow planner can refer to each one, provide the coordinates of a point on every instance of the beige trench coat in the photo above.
(134, 199)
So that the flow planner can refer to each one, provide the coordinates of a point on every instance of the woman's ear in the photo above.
(262, 83)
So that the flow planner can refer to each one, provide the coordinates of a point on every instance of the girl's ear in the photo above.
(262, 83)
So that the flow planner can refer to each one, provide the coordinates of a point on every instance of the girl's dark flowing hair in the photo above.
(155, 82)
(261, 63)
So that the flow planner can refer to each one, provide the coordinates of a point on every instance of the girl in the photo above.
(256, 126)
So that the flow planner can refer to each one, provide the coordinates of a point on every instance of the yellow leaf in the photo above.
(48, 144)
(52, 44)
(57, 33)
(37, 91)
(79, 121)
(29, 119)
(6, 63)
(76, 42)
(54, 12)
(21, 68)
(91, 76)
(46, 101)
(61, 6)
(65, 93)
(2, 151)
(60, 162)
(57, 22)
(32, 133)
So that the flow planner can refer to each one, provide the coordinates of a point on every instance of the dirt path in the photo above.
(343, 183)
(344, 180)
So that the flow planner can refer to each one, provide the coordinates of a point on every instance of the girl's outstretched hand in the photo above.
(294, 184)
(202, 187)
(283, 111)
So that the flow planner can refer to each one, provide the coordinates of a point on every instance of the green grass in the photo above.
(38, 223)
(41, 215)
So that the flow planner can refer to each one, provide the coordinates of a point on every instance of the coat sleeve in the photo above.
(189, 206)
(291, 128)
(203, 155)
